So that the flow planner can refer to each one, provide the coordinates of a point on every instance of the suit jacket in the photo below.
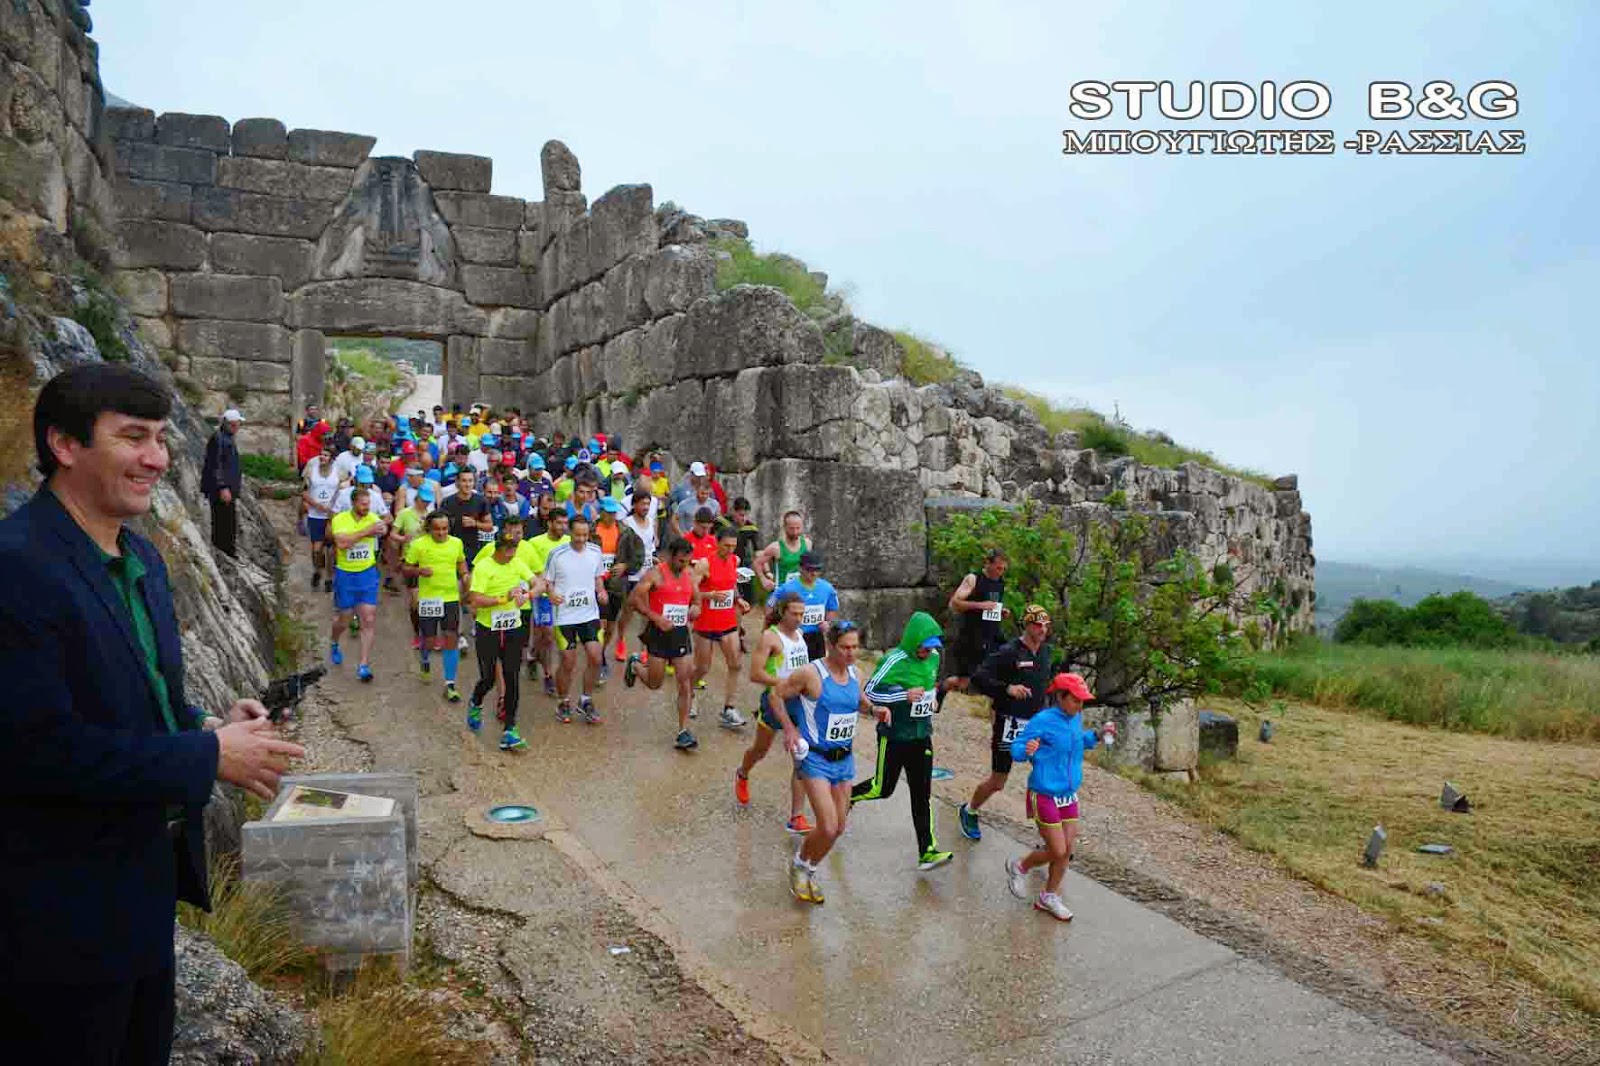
(220, 469)
(89, 872)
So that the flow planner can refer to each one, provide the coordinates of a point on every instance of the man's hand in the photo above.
(882, 713)
(247, 710)
(1018, 692)
(915, 694)
(250, 755)
(791, 739)
(425, 571)
(1031, 747)
(225, 495)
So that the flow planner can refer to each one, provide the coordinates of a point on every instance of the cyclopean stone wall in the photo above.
(246, 245)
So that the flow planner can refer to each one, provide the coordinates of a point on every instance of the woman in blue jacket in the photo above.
(1054, 740)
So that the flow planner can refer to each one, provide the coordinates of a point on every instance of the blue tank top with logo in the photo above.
(829, 721)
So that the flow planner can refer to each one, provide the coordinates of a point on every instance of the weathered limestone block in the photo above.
(882, 613)
(308, 368)
(530, 245)
(388, 227)
(260, 138)
(558, 212)
(151, 243)
(560, 169)
(658, 351)
(877, 349)
(236, 211)
(994, 438)
(1178, 737)
(495, 247)
(250, 299)
(480, 209)
(514, 323)
(589, 378)
(267, 408)
(386, 305)
(155, 332)
(130, 123)
(500, 286)
(619, 364)
(327, 148)
(504, 357)
(461, 378)
(674, 417)
(676, 277)
(144, 291)
(871, 521)
(624, 291)
(800, 411)
(258, 341)
(451, 171)
(179, 130)
(266, 377)
(622, 223)
(158, 162)
(214, 373)
(222, 1016)
(726, 227)
(748, 325)
(279, 177)
(164, 200)
(281, 257)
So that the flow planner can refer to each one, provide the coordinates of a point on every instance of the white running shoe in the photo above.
(1016, 878)
(1051, 904)
(731, 719)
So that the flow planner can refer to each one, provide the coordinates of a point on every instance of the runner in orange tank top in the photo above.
(665, 599)
(721, 608)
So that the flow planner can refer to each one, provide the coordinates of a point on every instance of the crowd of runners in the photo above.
(557, 556)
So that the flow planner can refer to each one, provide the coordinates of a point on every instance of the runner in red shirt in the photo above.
(665, 599)
(721, 608)
(702, 542)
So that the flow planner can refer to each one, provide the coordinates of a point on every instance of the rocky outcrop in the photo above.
(223, 1018)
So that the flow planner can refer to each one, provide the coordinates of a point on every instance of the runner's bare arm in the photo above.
(765, 650)
(958, 599)
(763, 563)
(639, 598)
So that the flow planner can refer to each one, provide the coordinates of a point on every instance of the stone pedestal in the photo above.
(348, 882)
(1178, 737)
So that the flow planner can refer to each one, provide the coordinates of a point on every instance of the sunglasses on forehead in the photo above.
(843, 626)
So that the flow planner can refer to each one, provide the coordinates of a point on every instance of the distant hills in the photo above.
(1340, 584)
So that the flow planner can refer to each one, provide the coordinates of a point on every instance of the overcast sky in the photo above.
(1403, 333)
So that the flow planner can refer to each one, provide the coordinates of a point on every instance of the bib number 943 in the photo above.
(841, 728)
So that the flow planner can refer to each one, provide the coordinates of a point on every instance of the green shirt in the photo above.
(126, 571)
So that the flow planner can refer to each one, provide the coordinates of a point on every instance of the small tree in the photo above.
(1146, 627)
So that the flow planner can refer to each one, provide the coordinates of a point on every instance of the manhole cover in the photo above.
(940, 773)
(513, 812)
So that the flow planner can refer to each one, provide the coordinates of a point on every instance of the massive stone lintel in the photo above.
(279, 177)
(454, 172)
(232, 210)
(385, 305)
(870, 521)
(219, 339)
(329, 148)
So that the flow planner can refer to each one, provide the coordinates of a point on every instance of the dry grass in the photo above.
(248, 923)
(379, 1020)
(1522, 891)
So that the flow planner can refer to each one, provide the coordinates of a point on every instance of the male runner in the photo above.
(347, 461)
(780, 652)
(688, 510)
(576, 577)
(702, 541)
(636, 550)
(904, 683)
(785, 552)
(437, 562)
(1014, 677)
(500, 586)
(664, 597)
(820, 597)
(721, 608)
(542, 638)
(408, 526)
(608, 536)
(321, 480)
(355, 576)
(468, 513)
(978, 608)
(819, 705)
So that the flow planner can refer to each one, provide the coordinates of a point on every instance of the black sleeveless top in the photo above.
(974, 627)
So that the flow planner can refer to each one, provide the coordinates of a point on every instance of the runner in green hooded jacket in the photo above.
(906, 682)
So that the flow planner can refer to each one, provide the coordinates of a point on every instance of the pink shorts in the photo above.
(1052, 810)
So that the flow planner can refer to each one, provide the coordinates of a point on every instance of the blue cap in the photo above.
(425, 492)
(657, 466)
(535, 461)
(488, 440)
(594, 444)
(434, 476)
(608, 503)
(934, 641)
(572, 462)
(363, 475)
(451, 470)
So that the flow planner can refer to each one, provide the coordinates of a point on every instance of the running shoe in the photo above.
(1051, 904)
(474, 717)
(798, 824)
(549, 686)
(799, 883)
(452, 693)
(564, 712)
(364, 672)
(426, 673)
(969, 824)
(933, 858)
(605, 671)
(533, 669)
(741, 789)
(621, 653)
(464, 646)
(700, 683)
(591, 713)
(685, 741)
(1016, 878)
(316, 581)
(335, 656)
(416, 643)
(630, 671)
(815, 886)
(511, 740)
(732, 719)
(671, 670)
(644, 657)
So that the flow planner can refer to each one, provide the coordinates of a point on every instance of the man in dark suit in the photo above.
(105, 769)
(221, 481)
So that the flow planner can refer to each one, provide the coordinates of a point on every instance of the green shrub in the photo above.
(267, 467)
(1459, 620)
(1105, 439)
(746, 266)
(925, 363)
(101, 314)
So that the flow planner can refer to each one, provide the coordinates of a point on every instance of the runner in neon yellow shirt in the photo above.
(355, 575)
(438, 564)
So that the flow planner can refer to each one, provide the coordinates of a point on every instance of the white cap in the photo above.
(697, 469)
(232, 415)
(357, 443)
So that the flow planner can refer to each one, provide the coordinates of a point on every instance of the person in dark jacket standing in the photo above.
(105, 768)
(1014, 677)
(220, 482)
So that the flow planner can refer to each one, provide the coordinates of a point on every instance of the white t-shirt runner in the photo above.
(648, 535)
(573, 574)
(322, 489)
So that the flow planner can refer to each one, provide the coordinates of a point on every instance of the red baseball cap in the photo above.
(1072, 684)
(509, 459)
(408, 448)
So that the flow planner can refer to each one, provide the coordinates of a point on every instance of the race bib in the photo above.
(841, 728)
(721, 600)
(923, 708)
(798, 657)
(813, 616)
(992, 614)
(1011, 728)
(676, 614)
(580, 600)
(359, 553)
(504, 618)
(485, 536)
(432, 607)
(608, 559)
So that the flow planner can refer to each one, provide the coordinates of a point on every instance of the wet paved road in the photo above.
(901, 966)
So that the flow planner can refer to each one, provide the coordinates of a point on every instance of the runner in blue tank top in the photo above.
(819, 705)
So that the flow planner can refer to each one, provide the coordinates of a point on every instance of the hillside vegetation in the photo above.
(1567, 616)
